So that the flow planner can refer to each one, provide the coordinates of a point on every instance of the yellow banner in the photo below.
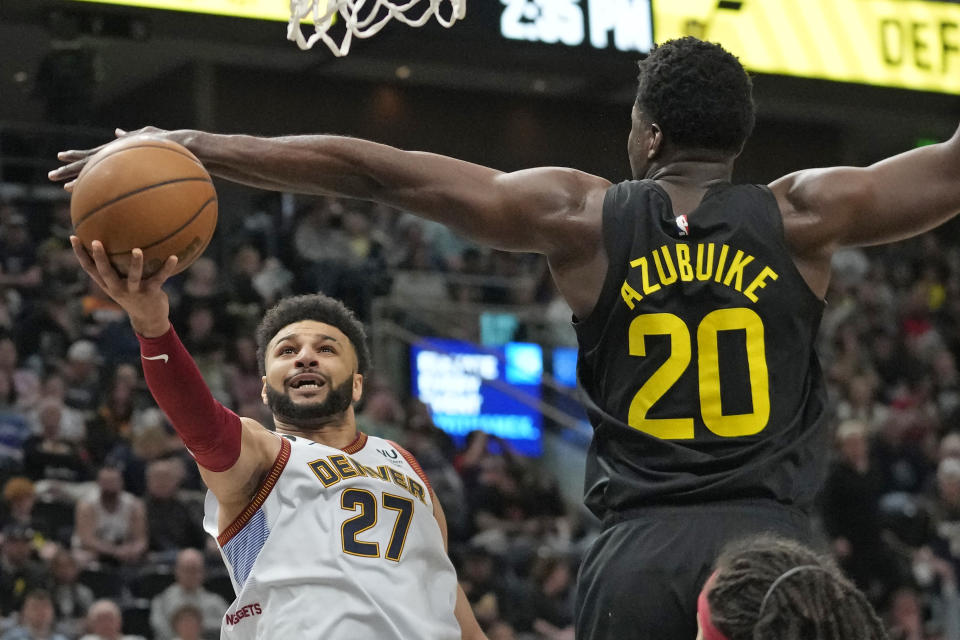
(259, 9)
(911, 44)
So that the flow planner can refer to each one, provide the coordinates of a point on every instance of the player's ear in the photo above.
(654, 140)
(263, 390)
(357, 387)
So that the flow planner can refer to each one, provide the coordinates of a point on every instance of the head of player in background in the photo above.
(694, 102)
(313, 355)
(772, 588)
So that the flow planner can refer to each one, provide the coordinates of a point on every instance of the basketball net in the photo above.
(376, 14)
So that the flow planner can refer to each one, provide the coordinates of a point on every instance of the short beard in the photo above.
(286, 410)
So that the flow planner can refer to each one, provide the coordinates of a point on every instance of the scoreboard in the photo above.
(908, 44)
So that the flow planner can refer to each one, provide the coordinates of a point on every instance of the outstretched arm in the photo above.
(541, 210)
(900, 197)
(233, 453)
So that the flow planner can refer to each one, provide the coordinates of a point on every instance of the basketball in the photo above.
(147, 193)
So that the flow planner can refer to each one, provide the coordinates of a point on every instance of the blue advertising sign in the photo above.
(469, 388)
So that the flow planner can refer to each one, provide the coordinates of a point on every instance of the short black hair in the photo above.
(316, 307)
(815, 602)
(698, 93)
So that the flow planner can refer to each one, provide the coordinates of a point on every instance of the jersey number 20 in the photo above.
(708, 367)
(366, 502)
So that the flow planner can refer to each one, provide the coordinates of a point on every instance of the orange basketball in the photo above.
(147, 193)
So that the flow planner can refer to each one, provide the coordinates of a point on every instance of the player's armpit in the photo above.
(236, 486)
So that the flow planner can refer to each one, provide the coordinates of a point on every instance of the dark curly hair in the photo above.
(816, 601)
(313, 307)
(698, 93)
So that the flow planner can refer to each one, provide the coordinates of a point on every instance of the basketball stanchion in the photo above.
(364, 18)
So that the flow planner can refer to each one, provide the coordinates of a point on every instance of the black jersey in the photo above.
(698, 361)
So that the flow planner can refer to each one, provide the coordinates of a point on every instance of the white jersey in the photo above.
(338, 544)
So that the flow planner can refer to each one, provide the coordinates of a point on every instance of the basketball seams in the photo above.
(145, 145)
(156, 185)
(210, 200)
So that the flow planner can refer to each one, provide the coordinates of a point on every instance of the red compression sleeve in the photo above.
(210, 430)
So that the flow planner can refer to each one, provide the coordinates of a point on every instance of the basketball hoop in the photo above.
(363, 18)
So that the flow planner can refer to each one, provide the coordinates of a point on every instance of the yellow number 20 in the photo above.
(708, 365)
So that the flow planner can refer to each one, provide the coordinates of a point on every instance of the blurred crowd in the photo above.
(101, 507)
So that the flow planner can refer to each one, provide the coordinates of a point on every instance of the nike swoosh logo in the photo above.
(162, 356)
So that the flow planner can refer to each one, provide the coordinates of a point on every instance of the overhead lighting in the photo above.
(403, 72)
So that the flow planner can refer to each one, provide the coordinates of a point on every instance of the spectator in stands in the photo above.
(25, 382)
(188, 589)
(48, 456)
(946, 506)
(105, 622)
(550, 608)
(81, 377)
(187, 623)
(204, 338)
(111, 525)
(243, 373)
(19, 269)
(113, 423)
(36, 619)
(851, 512)
(19, 572)
(202, 289)
(171, 524)
(905, 617)
(71, 599)
(14, 427)
(246, 304)
(72, 422)
(19, 496)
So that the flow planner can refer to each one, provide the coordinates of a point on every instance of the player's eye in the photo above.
(327, 348)
(287, 350)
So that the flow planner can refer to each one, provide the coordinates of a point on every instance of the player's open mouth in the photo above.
(307, 382)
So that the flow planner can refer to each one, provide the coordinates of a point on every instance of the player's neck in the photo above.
(692, 169)
(337, 431)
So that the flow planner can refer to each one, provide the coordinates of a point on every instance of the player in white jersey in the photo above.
(326, 532)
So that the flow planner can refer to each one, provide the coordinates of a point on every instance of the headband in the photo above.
(710, 632)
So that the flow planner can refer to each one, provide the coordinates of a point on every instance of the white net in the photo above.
(364, 18)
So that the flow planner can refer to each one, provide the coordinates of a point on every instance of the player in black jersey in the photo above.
(696, 303)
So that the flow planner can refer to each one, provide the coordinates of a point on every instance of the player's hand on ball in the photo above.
(143, 299)
(76, 159)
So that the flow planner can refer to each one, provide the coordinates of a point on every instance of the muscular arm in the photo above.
(540, 210)
(900, 197)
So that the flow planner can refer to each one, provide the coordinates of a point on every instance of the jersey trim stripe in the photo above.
(413, 463)
(356, 445)
(262, 494)
(243, 550)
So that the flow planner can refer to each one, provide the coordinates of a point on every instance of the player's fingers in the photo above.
(104, 268)
(135, 270)
(67, 171)
(169, 266)
(86, 262)
(157, 279)
(69, 186)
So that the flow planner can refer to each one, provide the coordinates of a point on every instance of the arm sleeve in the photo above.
(210, 431)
